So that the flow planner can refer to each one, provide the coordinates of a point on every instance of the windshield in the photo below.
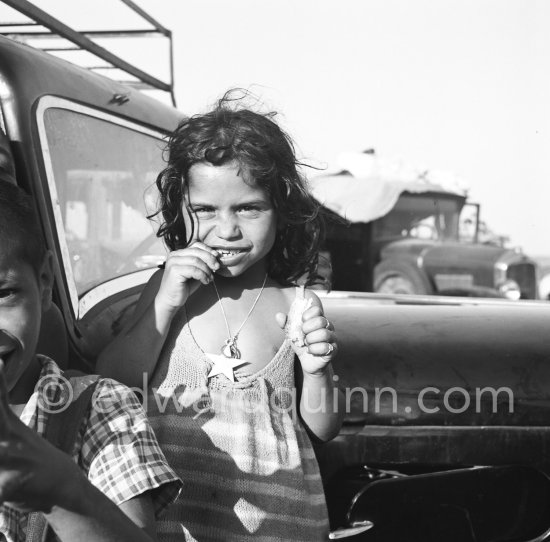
(422, 216)
(104, 175)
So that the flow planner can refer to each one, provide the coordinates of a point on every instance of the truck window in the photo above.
(421, 216)
(101, 174)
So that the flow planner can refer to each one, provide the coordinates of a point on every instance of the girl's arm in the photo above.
(321, 404)
(135, 351)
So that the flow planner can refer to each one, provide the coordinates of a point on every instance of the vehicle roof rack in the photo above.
(40, 24)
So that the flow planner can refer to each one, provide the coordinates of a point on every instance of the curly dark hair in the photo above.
(256, 143)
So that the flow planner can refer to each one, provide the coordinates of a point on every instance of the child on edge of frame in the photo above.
(217, 331)
(117, 479)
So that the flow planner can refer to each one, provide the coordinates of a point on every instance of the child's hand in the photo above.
(318, 347)
(184, 272)
(34, 475)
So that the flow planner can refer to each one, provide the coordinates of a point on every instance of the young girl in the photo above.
(217, 331)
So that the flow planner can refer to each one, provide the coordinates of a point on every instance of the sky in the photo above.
(455, 85)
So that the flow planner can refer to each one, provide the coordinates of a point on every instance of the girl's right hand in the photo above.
(184, 271)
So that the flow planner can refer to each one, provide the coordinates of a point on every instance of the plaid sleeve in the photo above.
(120, 452)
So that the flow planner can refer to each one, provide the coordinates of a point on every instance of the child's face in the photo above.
(231, 216)
(23, 297)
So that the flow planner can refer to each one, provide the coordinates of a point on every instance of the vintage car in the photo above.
(396, 229)
(446, 434)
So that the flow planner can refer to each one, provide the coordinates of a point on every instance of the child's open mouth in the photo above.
(228, 256)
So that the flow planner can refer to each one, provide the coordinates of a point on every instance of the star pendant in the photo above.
(224, 366)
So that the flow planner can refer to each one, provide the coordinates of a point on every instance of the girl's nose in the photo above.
(227, 227)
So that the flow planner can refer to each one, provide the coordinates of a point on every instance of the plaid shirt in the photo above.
(116, 448)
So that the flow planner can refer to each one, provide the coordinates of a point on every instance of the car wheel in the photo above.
(396, 285)
(399, 278)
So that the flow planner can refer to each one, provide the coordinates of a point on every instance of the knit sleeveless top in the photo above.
(248, 466)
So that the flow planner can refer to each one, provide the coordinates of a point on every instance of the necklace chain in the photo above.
(229, 349)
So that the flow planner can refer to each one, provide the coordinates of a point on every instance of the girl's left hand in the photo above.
(319, 341)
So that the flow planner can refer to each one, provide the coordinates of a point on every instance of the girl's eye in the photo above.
(6, 293)
(203, 212)
(249, 210)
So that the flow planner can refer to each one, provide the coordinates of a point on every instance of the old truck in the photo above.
(406, 233)
(446, 431)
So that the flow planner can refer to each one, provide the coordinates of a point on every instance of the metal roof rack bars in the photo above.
(44, 26)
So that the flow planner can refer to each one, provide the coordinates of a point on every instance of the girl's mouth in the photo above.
(230, 256)
(227, 253)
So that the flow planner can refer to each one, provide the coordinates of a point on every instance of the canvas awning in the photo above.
(368, 188)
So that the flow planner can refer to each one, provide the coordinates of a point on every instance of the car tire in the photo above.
(393, 277)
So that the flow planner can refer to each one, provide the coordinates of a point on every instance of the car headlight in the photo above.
(510, 290)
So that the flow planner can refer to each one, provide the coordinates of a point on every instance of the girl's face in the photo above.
(232, 216)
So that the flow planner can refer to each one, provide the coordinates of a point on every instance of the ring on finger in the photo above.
(330, 349)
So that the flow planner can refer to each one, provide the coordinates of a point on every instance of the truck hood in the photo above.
(412, 342)
(455, 254)
(457, 267)
(441, 381)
